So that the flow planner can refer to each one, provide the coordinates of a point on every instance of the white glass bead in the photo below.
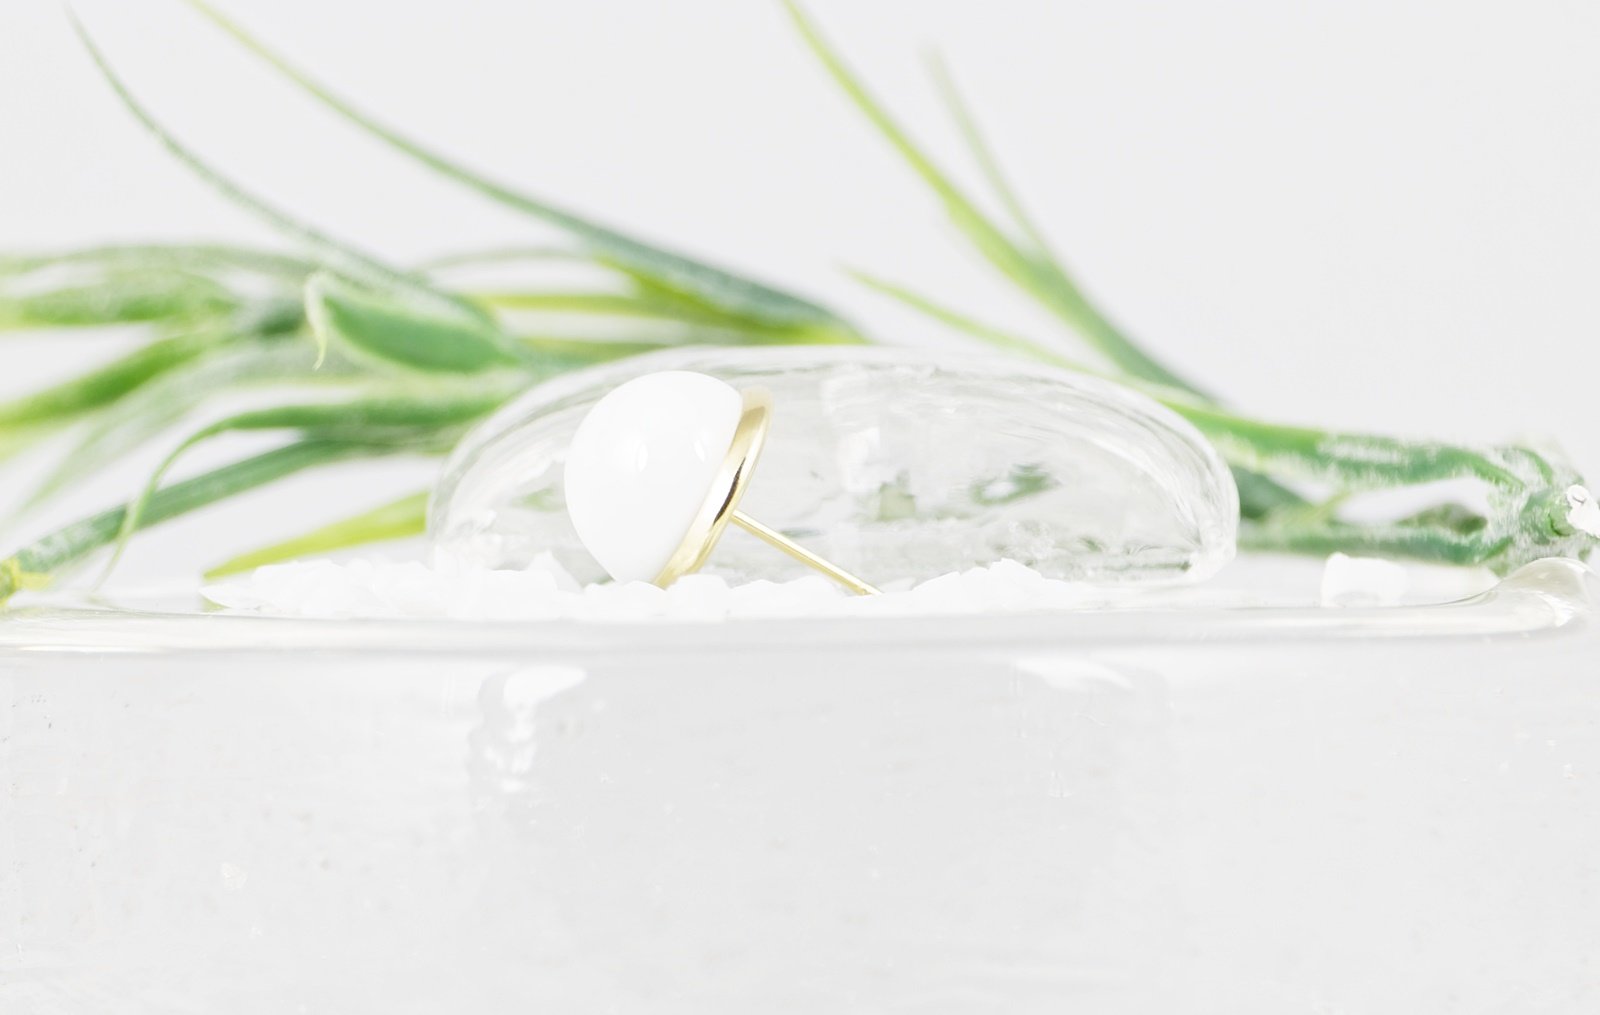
(641, 465)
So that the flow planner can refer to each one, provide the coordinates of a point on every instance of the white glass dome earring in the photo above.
(656, 470)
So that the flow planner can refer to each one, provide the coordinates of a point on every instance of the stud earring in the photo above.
(656, 470)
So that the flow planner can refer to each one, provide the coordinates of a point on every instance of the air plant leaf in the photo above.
(1351, 461)
(119, 296)
(99, 387)
(41, 561)
(136, 418)
(400, 519)
(722, 288)
(645, 318)
(1393, 540)
(384, 328)
(641, 305)
(993, 335)
(331, 254)
(1028, 265)
(424, 423)
(207, 258)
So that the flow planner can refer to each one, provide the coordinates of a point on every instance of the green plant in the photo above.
(368, 359)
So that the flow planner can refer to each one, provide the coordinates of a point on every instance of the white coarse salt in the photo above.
(379, 589)
(1363, 581)
(1583, 511)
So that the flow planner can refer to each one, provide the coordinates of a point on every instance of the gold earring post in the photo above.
(778, 540)
(722, 506)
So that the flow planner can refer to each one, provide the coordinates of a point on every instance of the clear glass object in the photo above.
(892, 463)
(1178, 809)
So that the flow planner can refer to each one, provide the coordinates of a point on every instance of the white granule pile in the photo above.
(413, 590)
(1363, 581)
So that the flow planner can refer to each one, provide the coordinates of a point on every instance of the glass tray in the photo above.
(1193, 806)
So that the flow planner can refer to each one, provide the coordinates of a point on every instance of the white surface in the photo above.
(641, 466)
(1370, 214)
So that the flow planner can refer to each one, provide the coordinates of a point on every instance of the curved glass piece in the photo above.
(892, 463)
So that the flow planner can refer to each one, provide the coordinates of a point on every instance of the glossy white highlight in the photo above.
(641, 464)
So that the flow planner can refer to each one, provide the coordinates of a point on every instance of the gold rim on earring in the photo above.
(721, 506)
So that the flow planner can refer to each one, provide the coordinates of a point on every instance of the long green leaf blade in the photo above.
(995, 243)
(122, 296)
(332, 254)
(103, 385)
(995, 336)
(116, 430)
(722, 287)
(1032, 270)
(202, 257)
(40, 562)
(1350, 461)
(987, 163)
(387, 331)
(427, 423)
(402, 519)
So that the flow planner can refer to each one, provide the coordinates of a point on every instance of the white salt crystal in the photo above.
(1362, 581)
(626, 601)
(1584, 513)
(546, 591)
(698, 597)
(779, 599)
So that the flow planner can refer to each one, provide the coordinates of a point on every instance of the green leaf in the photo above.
(102, 386)
(401, 519)
(720, 287)
(207, 258)
(116, 430)
(1261, 496)
(331, 254)
(121, 296)
(662, 320)
(424, 423)
(1350, 461)
(615, 304)
(983, 155)
(382, 328)
(1434, 544)
(1029, 266)
(41, 561)
(997, 337)
(500, 256)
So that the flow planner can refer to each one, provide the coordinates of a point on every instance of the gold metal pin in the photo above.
(721, 506)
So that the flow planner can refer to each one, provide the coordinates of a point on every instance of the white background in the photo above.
(1373, 215)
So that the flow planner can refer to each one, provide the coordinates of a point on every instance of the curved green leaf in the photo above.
(401, 519)
(201, 257)
(1030, 266)
(102, 386)
(121, 296)
(387, 331)
(41, 561)
(331, 254)
(421, 423)
(119, 428)
(724, 288)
